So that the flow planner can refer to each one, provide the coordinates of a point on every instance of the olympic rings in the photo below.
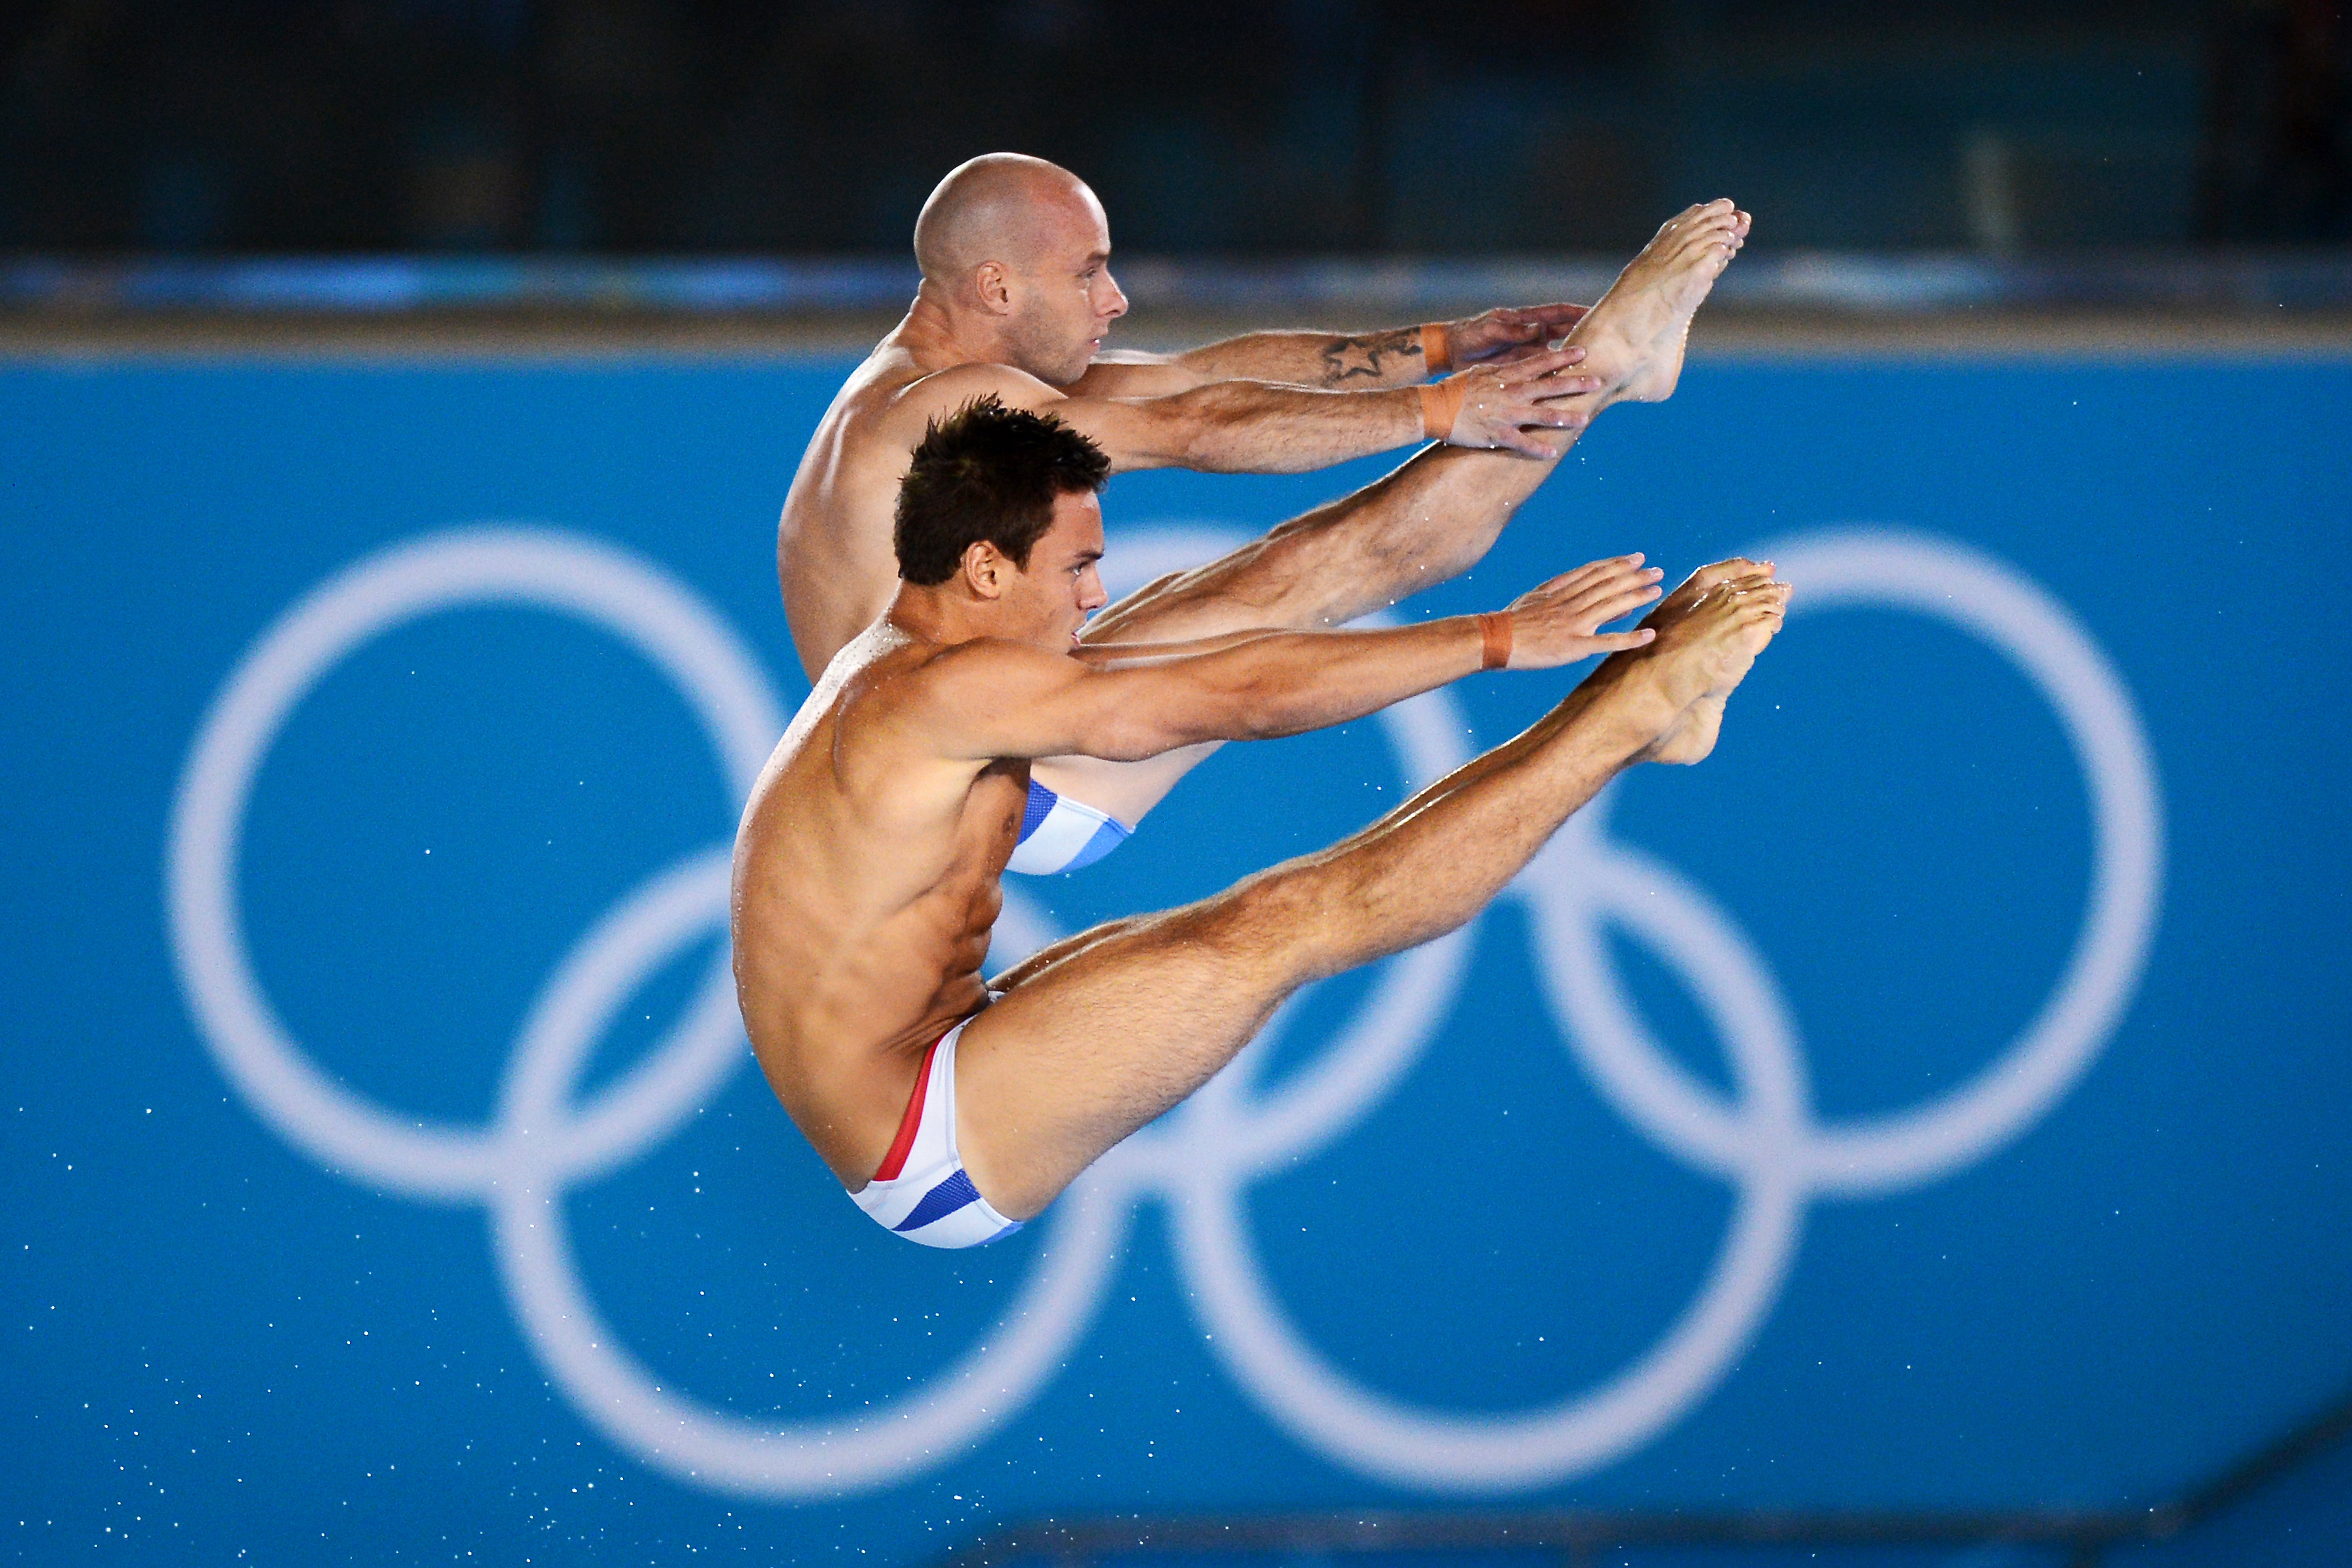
(662, 620)
(1765, 1141)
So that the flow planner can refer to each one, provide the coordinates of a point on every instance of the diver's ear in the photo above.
(986, 570)
(992, 284)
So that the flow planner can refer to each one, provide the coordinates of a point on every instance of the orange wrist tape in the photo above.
(1495, 631)
(1436, 352)
(1441, 406)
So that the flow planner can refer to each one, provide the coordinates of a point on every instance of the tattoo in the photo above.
(1374, 357)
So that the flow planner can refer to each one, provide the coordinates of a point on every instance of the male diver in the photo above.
(869, 862)
(1016, 299)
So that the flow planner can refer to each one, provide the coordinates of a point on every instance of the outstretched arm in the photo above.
(1122, 703)
(1259, 427)
(1358, 362)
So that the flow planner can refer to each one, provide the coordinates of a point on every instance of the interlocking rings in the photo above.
(1766, 1144)
(1765, 1140)
(710, 667)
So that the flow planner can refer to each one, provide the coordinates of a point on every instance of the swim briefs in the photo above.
(1058, 835)
(920, 1191)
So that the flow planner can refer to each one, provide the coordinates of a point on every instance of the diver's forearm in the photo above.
(1357, 363)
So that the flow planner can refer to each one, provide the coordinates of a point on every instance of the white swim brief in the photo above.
(920, 1191)
(1060, 834)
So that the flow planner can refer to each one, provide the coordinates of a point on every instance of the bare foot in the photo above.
(1713, 626)
(1634, 336)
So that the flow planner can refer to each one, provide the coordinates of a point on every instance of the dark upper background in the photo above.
(1244, 127)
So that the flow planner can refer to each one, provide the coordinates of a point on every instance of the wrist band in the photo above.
(1436, 352)
(1494, 631)
(1441, 406)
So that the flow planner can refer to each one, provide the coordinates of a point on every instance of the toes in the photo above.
(1702, 246)
(1723, 571)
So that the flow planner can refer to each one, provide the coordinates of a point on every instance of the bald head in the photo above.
(1002, 207)
(1017, 267)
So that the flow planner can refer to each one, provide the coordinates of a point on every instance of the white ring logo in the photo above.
(1766, 1143)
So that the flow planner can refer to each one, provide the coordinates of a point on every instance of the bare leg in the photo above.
(1097, 1035)
(1427, 522)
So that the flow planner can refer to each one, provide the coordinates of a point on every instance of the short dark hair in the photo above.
(988, 471)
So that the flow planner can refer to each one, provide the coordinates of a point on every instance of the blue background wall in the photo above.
(219, 1347)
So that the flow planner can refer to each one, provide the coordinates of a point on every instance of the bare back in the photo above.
(833, 555)
(866, 883)
(833, 547)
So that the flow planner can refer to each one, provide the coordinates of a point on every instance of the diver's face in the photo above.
(1067, 298)
(1047, 602)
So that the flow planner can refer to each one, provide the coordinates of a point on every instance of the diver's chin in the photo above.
(1083, 360)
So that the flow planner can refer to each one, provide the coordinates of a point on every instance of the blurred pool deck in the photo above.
(2158, 304)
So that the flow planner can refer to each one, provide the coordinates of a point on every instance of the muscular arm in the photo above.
(1363, 361)
(1260, 427)
(1247, 428)
(1359, 362)
(989, 699)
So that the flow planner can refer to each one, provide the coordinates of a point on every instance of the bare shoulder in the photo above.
(985, 675)
(874, 386)
(948, 701)
(943, 391)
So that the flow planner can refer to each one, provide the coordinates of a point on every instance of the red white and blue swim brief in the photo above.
(920, 1191)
